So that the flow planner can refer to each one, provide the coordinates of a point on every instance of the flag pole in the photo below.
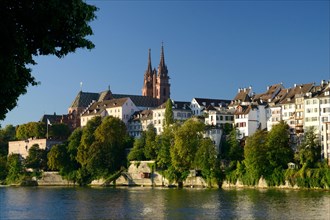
(47, 132)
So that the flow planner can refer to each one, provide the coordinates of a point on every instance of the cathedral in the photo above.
(156, 82)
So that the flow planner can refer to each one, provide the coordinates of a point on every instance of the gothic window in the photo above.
(164, 91)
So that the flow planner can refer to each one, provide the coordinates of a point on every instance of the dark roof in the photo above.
(83, 99)
(271, 92)
(141, 115)
(53, 119)
(242, 96)
(177, 105)
(139, 100)
(297, 90)
(244, 109)
(215, 102)
(181, 105)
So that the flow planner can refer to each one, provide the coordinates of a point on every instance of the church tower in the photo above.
(162, 85)
(147, 89)
(156, 83)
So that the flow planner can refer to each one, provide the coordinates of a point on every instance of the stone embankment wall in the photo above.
(53, 179)
(262, 184)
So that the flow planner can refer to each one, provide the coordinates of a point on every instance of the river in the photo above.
(161, 203)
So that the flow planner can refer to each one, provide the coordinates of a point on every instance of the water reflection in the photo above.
(159, 203)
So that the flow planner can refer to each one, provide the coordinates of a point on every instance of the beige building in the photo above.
(22, 147)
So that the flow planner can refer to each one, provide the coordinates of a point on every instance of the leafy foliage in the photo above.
(186, 141)
(255, 152)
(58, 157)
(206, 159)
(31, 130)
(150, 144)
(3, 168)
(279, 152)
(6, 134)
(15, 169)
(36, 159)
(62, 28)
(107, 153)
(137, 152)
(309, 151)
(169, 119)
(59, 131)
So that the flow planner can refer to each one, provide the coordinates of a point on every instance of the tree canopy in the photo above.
(30, 28)
(169, 119)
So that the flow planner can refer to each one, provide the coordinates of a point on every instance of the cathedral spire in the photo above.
(162, 58)
(149, 69)
(162, 69)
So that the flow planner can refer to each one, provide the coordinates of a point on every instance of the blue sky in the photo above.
(212, 48)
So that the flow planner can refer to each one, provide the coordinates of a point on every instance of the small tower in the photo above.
(147, 89)
(161, 84)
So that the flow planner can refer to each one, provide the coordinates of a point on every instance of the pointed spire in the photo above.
(149, 69)
(162, 58)
(162, 69)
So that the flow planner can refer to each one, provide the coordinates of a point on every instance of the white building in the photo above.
(249, 118)
(197, 105)
(181, 112)
(326, 140)
(219, 116)
(122, 108)
(215, 135)
(139, 122)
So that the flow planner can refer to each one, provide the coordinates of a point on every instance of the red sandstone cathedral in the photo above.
(156, 82)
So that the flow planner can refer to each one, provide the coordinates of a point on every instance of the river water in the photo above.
(161, 203)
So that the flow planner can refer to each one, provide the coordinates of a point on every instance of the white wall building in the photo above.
(181, 112)
(219, 116)
(249, 118)
(122, 108)
(197, 105)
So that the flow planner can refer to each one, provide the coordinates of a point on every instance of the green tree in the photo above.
(6, 134)
(169, 119)
(87, 139)
(37, 158)
(186, 141)
(15, 169)
(62, 27)
(150, 149)
(107, 153)
(309, 151)
(137, 152)
(206, 160)
(165, 141)
(58, 157)
(279, 152)
(236, 152)
(31, 130)
(59, 131)
(3, 168)
(255, 154)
